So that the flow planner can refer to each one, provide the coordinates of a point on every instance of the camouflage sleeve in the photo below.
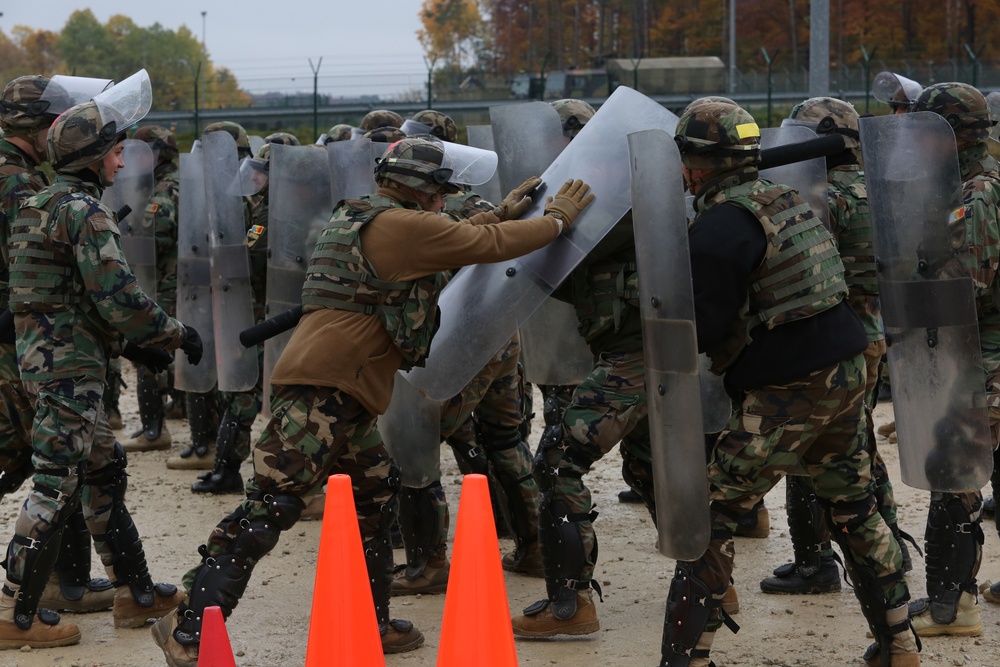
(839, 212)
(110, 284)
(164, 213)
(464, 205)
(976, 243)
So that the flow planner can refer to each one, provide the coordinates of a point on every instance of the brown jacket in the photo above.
(351, 351)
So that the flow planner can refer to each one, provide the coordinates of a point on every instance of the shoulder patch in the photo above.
(956, 215)
(254, 233)
(152, 208)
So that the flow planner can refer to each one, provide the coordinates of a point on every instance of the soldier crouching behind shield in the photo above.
(370, 309)
(769, 299)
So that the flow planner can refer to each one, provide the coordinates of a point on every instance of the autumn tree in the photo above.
(452, 32)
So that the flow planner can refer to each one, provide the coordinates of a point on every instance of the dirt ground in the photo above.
(270, 626)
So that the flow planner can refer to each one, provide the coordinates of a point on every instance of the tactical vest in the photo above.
(857, 238)
(604, 288)
(339, 276)
(14, 170)
(801, 274)
(40, 280)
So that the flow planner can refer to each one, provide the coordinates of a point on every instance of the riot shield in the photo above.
(352, 168)
(231, 293)
(670, 346)
(411, 430)
(527, 138)
(481, 136)
(256, 141)
(552, 350)
(484, 305)
(928, 305)
(299, 207)
(716, 406)
(133, 187)
(807, 177)
(194, 282)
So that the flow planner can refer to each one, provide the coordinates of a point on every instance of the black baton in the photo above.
(828, 144)
(270, 328)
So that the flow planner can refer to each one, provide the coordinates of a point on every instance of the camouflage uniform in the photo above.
(769, 289)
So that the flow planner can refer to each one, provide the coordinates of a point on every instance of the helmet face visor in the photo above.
(126, 103)
(414, 128)
(895, 89)
(469, 166)
(64, 92)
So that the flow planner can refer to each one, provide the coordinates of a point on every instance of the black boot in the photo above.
(153, 435)
(225, 475)
(219, 480)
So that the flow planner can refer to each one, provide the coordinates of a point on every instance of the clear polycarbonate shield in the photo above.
(892, 88)
(231, 292)
(481, 136)
(352, 168)
(64, 92)
(470, 165)
(127, 102)
(552, 350)
(670, 346)
(414, 128)
(194, 281)
(928, 304)
(256, 141)
(484, 305)
(133, 187)
(807, 177)
(299, 207)
(716, 406)
(411, 429)
(527, 138)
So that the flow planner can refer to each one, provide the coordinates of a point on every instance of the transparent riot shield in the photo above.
(231, 293)
(716, 406)
(527, 138)
(194, 281)
(256, 141)
(133, 187)
(299, 206)
(552, 350)
(928, 305)
(352, 168)
(807, 177)
(670, 346)
(481, 136)
(484, 305)
(411, 429)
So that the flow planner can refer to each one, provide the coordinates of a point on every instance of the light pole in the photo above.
(204, 56)
(315, 71)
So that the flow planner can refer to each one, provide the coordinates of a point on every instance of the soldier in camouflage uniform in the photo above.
(769, 295)
(239, 408)
(380, 118)
(371, 287)
(491, 446)
(76, 303)
(22, 149)
(954, 534)
(814, 569)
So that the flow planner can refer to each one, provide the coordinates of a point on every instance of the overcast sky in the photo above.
(257, 39)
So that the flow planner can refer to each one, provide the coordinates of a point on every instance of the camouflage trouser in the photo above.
(817, 424)
(314, 432)
(69, 436)
(16, 412)
(243, 407)
(608, 407)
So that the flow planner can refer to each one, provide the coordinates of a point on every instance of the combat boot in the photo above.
(756, 523)
(967, 622)
(315, 506)
(526, 561)
(129, 613)
(198, 456)
(571, 613)
(885, 430)
(904, 648)
(629, 496)
(115, 419)
(45, 631)
(94, 595)
(731, 601)
(204, 426)
(177, 654)
(431, 578)
(221, 480)
(991, 592)
(795, 579)
(154, 434)
(399, 636)
(990, 507)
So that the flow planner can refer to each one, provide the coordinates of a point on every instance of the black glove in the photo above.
(155, 359)
(7, 333)
(192, 346)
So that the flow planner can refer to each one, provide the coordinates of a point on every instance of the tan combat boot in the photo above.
(966, 624)
(433, 578)
(399, 636)
(177, 654)
(990, 592)
(115, 419)
(149, 440)
(540, 620)
(39, 635)
(128, 613)
(885, 430)
(81, 601)
(315, 506)
(756, 524)
(190, 459)
(731, 601)
(526, 561)
(903, 649)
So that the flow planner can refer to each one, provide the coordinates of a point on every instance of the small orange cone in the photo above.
(476, 630)
(343, 629)
(215, 650)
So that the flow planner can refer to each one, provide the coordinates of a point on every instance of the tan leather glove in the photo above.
(517, 202)
(571, 199)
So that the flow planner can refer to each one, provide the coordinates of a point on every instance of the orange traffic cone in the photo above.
(215, 650)
(476, 630)
(343, 629)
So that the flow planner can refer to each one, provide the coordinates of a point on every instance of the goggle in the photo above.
(33, 108)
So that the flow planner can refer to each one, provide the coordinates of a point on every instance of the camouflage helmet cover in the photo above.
(380, 118)
(340, 132)
(717, 136)
(284, 138)
(417, 163)
(80, 137)
(237, 132)
(22, 107)
(708, 100)
(159, 138)
(441, 125)
(827, 115)
(962, 105)
(385, 135)
(573, 114)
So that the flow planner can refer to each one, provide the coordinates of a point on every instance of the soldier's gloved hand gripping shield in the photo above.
(670, 346)
(194, 275)
(230, 264)
(928, 304)
(484, 305)
(133, 187)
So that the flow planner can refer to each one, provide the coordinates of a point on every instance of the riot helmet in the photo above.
(380, 118)
(417, 163)
(385, 135)
(160, 139)
(717, 136)
(962, 105)
(573, 114)
(433, 123)
(826, 115)
(283, 138)
(237, 132)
